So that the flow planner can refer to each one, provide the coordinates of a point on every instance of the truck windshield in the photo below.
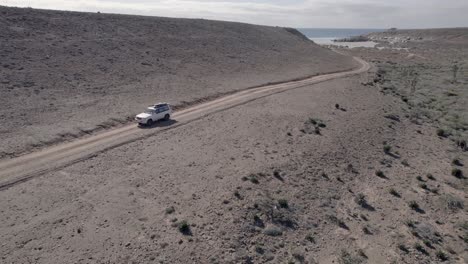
(149, 111)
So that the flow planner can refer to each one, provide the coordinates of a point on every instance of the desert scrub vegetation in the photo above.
(442, 255)
(170, 210)
(457, 173)
(335, 220)
(394, 193)
(442, 133)
(380, 174)
(366, 230)
(430, 177)
(348, 258)
(252, 178)
(403, 248)
(387, 149)
(457, 162)
(283, 203)
(184, 227)
(454, 203)
(361, 200)
(310, 238)
(313, 126)
(420, 248)
(272, 231)
(414, 206)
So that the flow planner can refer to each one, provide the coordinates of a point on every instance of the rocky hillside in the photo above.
(65, 74)
(448, 35)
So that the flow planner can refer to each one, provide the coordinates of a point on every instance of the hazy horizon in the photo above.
(344, 14)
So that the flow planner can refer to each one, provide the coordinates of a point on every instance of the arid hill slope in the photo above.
(64, 74)
(439, 35)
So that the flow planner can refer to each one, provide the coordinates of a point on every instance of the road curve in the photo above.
(23, 168)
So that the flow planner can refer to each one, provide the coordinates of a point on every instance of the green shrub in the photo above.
(283, 203)
(441, 132)
(403, 248)
(170, 210)
(420, 248)
(387, 149)
(457, 162)
(457, 173)
(442, 255)
(394, 193)
(414, 205)
(183, 227)
(380, 174)
(361, 199)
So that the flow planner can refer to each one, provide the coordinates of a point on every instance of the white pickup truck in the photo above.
(154, 113)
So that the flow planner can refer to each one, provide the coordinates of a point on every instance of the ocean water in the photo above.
(325, 36)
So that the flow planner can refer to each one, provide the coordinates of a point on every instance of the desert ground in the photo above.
(368, 168)
(111, 67)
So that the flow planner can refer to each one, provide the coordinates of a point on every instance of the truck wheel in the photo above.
(149, 122)
(166, 117)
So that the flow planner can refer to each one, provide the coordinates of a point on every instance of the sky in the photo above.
(292, 13)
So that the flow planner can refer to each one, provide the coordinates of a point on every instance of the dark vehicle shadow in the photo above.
(161, 123)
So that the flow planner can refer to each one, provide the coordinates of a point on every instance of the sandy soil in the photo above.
(255, 184)
(67, 74)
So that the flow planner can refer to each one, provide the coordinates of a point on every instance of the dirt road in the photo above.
(25, 167)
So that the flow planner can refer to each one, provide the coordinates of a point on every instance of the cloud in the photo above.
(296, 13)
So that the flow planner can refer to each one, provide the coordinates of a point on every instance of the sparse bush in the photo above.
(410, 223)
(431, 177)
(283, 203)
(360, 199)
(457, 173)
(462, 144)
(259, 250)
(347, 258)
(420, 248)
(184, 227)
(405, 163)
(272, 231)
(337, 106)
(310, 238)
(338, 221)
(363, 217)
(403, 248)
(170, 210)
(428, 243)
(277, 175)
(362, 253)
(465, 238)
(442, 255)
(454, 203)
(317, 131)
(252, 178)
(394, 193)
(414, 205)
(419, 178)
(423, 186)
(457, 162)
(441, 133)
(380, 174)
(387, 149)
(366, 230)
